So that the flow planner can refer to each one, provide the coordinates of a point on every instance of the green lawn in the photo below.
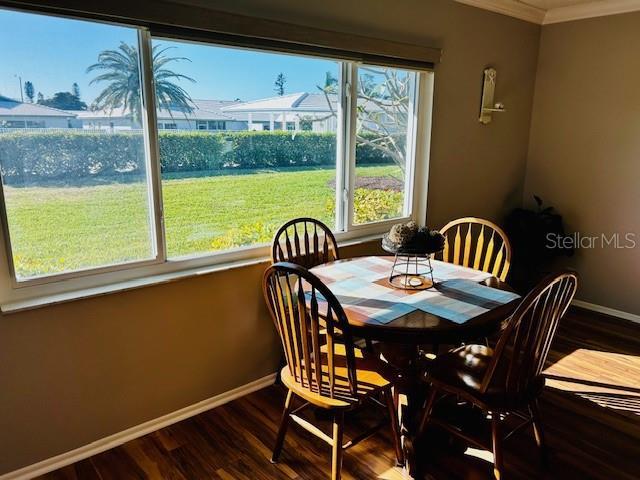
(55, 229)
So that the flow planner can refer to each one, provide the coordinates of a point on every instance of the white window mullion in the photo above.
(422, 148)
(350, 157)
(341, 147)
(152, 145)
(410, 157)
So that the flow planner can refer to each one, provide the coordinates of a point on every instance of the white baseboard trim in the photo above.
(600, 309)
(93, 448)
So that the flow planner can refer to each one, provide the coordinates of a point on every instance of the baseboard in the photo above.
(86, 451)
(600, 309)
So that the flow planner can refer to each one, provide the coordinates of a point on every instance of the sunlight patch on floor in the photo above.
(603, 378)
(395, 473)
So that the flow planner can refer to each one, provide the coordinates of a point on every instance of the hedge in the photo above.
(280, 149)
(78, 154)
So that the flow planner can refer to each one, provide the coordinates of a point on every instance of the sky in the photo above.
(53, 53)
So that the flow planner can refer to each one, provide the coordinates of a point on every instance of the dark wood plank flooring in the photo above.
(591, 410)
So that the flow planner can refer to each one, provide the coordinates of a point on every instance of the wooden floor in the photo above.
(591, 410)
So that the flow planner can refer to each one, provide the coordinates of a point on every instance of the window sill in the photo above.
(123, 286)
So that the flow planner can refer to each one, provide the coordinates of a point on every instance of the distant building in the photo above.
(293, 112)
(15, 114)
(296, 111)
(205, 115)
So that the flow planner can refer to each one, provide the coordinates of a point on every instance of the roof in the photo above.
(10, 108)
(205, 108)
(202, 110)
(294, 102)
(261, 109)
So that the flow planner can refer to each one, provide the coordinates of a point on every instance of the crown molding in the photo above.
(510, 8)
(590, 10)
(518, 9)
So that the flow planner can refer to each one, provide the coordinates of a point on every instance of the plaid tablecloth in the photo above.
(361, 287)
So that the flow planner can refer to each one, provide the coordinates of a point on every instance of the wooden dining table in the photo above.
(406, 324)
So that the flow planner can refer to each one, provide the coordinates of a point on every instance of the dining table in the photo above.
(406, 325)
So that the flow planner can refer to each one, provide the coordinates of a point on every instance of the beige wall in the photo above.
(585, 145)
(77, 372)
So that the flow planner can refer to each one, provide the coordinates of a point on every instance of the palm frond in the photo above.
(121, 72)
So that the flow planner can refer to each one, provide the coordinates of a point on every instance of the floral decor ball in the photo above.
(409, 237)
(429, 240)
(403, 233)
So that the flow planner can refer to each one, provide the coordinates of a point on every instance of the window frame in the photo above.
(415, 195)
(409, 206)
(150, 138)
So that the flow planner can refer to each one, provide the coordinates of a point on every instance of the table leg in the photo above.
(413, 391)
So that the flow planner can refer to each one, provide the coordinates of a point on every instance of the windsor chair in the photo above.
(304, 241)
(508, 379)
(477, 243)
(324, 370)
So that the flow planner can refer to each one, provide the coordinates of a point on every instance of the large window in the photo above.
(233, 189)
(209, 148)
(75, 198)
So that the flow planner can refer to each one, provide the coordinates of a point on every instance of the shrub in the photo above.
(376, 205)
(77, 154)
(372, 205)
(368, 155)
(245, 234)
(190, 151)
(70, 155)
(280, 149)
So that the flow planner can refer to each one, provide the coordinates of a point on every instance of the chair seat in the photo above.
(463, 370)
(373, 375)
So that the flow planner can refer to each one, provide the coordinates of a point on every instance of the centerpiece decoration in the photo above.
(413, 248)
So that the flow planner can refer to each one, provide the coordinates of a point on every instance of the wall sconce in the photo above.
(487, 107)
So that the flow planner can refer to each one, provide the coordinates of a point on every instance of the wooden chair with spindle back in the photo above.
(477, 243)
(326, 371)
(308, 242)
(305, 241)
(508, 379)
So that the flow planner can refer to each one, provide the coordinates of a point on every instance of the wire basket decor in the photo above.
(412, 248)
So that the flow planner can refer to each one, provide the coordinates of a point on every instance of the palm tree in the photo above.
(121, 69)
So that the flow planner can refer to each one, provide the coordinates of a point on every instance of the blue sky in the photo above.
(53, 53)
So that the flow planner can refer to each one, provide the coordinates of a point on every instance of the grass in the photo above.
(55, 228)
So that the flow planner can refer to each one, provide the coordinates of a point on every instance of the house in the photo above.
(300, 111)
(15, 114)
(206, 115)
(296, 111)
(199, 306)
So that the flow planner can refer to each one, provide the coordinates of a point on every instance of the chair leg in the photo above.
(336, 458)
(395, 426)
(496, 440)
(284, 423)
(427, 411)
(396, 397)
(537, 429)
(369, 346)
